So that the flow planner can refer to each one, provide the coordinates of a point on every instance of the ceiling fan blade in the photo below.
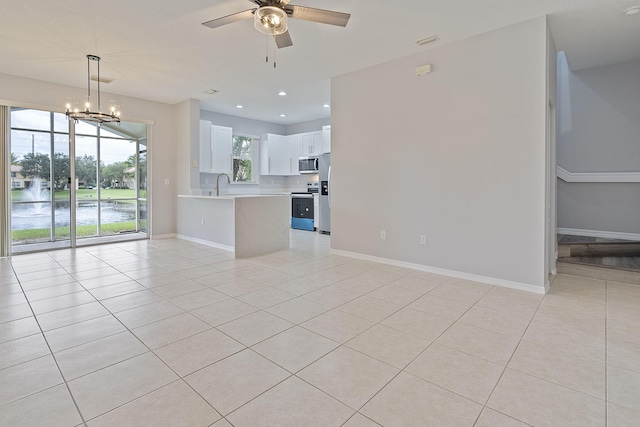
(283, 40)
(319, 15)
(219, 22)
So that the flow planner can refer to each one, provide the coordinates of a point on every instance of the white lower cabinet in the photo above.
(316, 210)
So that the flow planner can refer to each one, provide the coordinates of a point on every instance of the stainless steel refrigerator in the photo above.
(324, 173)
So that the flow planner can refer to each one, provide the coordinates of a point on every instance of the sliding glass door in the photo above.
(40, 206)
(102, 198)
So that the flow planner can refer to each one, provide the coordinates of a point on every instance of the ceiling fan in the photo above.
(270, 17)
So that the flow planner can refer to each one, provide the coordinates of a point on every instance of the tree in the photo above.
(14, 159)
(86, 169)
(61, 170)
(114, 172)
(35, 165)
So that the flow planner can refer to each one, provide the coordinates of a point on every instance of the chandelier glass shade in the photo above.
(270, 20)
(113, 116)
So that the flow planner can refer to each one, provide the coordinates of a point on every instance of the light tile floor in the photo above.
(172, 333)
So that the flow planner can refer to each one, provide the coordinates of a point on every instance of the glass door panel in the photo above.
(61, 184)
(142, 185)
(36, 181)
(87, 209)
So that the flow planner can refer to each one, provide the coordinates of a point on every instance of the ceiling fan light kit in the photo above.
(271, 18)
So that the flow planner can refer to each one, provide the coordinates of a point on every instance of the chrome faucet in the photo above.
(218, 182)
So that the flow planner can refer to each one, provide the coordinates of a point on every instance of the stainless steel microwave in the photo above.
(308, 164)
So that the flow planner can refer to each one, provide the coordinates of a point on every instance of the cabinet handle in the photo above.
(269, 165)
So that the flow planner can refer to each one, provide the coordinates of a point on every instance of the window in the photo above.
(243, 152)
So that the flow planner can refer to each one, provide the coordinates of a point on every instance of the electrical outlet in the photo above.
(383, 235)
(202, 221)
(194, 163)
(423, 239)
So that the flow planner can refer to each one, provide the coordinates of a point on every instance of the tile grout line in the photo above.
(506, 366)
(64, 380)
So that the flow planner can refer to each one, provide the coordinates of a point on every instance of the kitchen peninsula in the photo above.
(248, 225)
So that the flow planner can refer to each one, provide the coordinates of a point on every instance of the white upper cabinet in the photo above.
(272, 155)
(318, 142)
(326, 139)
(222, 145)
(279, 155)
(311, 143)
(215, 148)
(294, 153)
(205, 146)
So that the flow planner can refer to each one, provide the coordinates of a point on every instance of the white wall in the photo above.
(242, 125)
(599, 131)
(458, 155)
(310, 126)
(19, 91)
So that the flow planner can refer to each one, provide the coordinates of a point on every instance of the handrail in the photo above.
(595, 177)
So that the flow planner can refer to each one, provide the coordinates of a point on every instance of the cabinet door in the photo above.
(294, 149)
(326, 139)
(317, 142)
(205, 146)
(222, 148)
(271, 162)
(307, 144)
(264, 155)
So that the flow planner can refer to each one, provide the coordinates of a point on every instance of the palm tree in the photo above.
(14, 161)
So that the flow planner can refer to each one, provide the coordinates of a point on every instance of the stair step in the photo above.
(599, 249)
(591, 271)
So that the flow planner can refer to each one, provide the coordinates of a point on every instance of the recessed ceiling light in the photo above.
(427, 40)
(283, 115)
(326, 106)
(632, 11)
(282, 93)
(239, 106)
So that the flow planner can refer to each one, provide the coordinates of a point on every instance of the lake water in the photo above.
(38, 215)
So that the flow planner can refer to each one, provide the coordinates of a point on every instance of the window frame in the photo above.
(253, 157)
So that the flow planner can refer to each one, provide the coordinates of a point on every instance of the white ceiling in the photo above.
(158, 49)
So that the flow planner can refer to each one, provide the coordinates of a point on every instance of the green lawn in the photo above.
(82, 231)
(83, 194)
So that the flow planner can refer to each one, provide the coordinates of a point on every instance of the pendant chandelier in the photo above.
(93, 116)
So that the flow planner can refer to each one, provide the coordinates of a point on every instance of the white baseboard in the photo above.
(451, 273)
(206, 243)
(163, 236)
(597, 233)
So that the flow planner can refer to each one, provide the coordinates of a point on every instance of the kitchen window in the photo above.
(244, 152)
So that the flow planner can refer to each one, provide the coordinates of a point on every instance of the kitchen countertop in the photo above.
(230, 196)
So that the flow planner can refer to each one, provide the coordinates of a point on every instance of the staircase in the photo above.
(612, 261)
